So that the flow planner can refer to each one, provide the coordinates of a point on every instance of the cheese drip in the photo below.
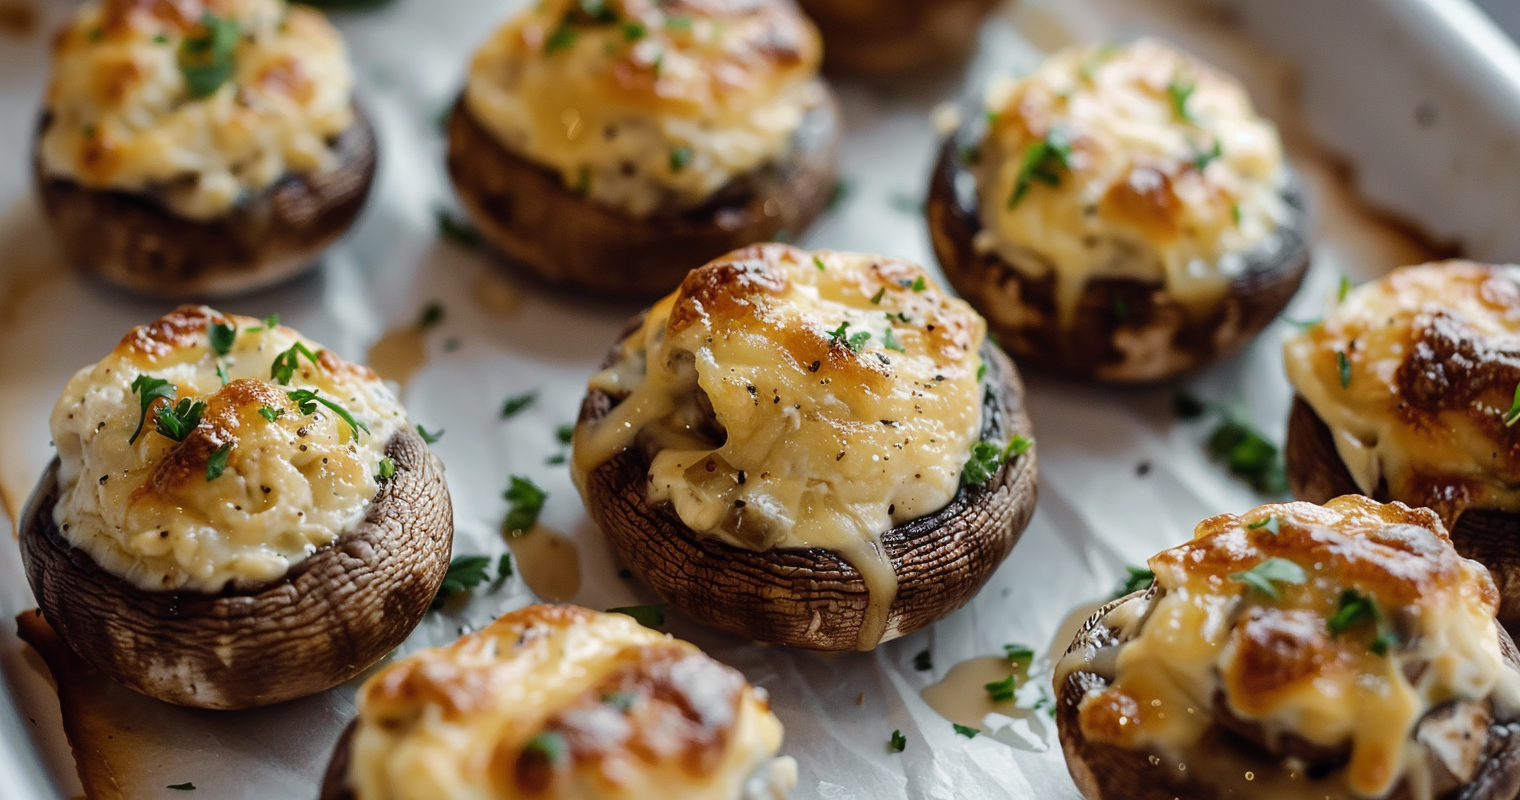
(795, 399)
(646, 107)
(122, 115)
(154, 513)
(1431, 359)
(635, 714)
(1276, 662)
(1141, 192)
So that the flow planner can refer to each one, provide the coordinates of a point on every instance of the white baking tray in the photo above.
(1413, 105)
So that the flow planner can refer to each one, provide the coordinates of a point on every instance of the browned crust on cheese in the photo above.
(134, 241)
(329, 618)
(1109, 307)
(890, 37)
(544, 227)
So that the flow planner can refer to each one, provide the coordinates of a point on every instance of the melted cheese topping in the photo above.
(795, 399)
(562, 703)
(1276, 663)
(1142, 193)
(648, 107)
(150, 512)
(123, 117)
(1432, 359)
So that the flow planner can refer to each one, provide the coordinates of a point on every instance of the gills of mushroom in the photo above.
(811, 449)
(559, 702)
(198, 148)
(894, 37)
(1121, 214)
(611, 149)
(1339, 651)
(1407, 391)
(236, 517)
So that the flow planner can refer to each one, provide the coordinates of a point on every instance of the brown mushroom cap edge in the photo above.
(333, 615)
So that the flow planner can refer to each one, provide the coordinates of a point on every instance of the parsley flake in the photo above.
(206, 59)
(1179, 91)
(1265, 577)
(1042, 163)
(271, 413)
(306, 400)
(965, 730)
(182, 787)
(457, 230)
(1343, 289)
(148, 389)
(464, 574)
(516, 405)
(634, 31)
(1513, 415)
(1343, 366)
(430, 438)
(898, 742)
(1355, 608)
(1002, 691)
(222, 337)
(287, 361)
(221, 374)
(1206, 157)
(622, 701)
(431, 315)
(650, 616)
(565, 434)
(387, 470)
(818, 262)
(216, 463)
(680, 157)
(548, 746)
(177, 422)
(1138, 579)
(1273, 525)
(923, 662)
(527, 502)
(889, 341)
(876, 298)
(563, 38)
(680, 22)
(1019, 655)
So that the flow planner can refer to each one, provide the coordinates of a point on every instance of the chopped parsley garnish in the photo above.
(527, 502)
(270, 323)
(919, 284)
(176, 422)
(1019, 654)
(504, 567)
(876, 298)
(286, 363)
(1042, 164)
(987, 458)
(1187, 406)
(1355, 608)
(981, 371)
(222, 337)
(1343, 366)
(923, 662)
(818, 262)
(598, 10)
(680, 157)
(563, 38)
(516, 405)
(857, 341)
(1513, 415)
(271, 413)
(182, 787)
(221, 374)
(216, 463)
(464, 574)
(148, 389)
(430, 438)
(1272, 524)
(841, 193)
(650, 616)
(1002, 691)
(1235, 213)
(1205, 157)
(634, 31)
(206, 58)
(306, 400)
(387, 470)
(1342, 289)
(1246, 453)
(1179, 92)
(898, 742)
(964, 730)
(549, 746)
(622, 701)
(679, 22)
(565, 434)
(431, 315)
(1265, 577)
(890, 342)
(457, 230)
(1017, 446)
(1138, 579)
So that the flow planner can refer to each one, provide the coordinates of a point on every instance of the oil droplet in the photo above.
(961, 696)
(549, 563)
(398, 354)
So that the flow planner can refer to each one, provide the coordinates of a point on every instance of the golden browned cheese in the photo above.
(1415, 374)
(797, 399)
(1133, 161)
(155, 512)
(562, 703)
(1293, 659)
(123, 116)
(644, 106)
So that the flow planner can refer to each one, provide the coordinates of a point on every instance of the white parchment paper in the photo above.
(1120, 478)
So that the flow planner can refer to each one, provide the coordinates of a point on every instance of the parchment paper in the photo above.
(1120, 478)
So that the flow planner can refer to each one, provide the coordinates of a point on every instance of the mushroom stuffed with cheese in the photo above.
(236, 516)
(812, 449)
(892, 37)
(1121, 214)
(200, 147)
(1298, 651)
(559, 702)
(1407, 391)
(613, 146)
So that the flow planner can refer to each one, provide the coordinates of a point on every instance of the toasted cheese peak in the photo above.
(125, 112)
(262, 476)
(648, 107)
(1134, 161)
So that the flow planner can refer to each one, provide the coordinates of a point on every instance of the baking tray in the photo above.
(1402, 115)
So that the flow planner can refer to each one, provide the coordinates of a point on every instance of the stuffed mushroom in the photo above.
(1335, 652)
(1121, 214)
(891, 37)
(613, 146)
(1406, 391)
(555, 702)
(236, 516)
(200, 147)
(813, 449)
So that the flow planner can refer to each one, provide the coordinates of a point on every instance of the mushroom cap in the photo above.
(528, 214)
(333, 615)
(1316, 473)
(892, 37)
(812, 597)
(1108, 772)
(335, 779)
(132, 240)
(1088, 348)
